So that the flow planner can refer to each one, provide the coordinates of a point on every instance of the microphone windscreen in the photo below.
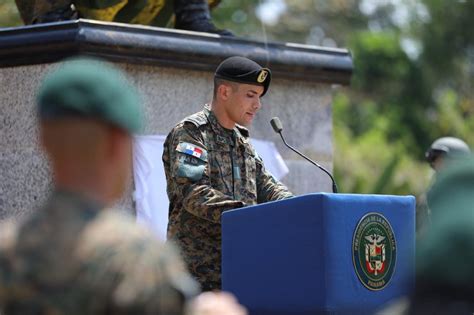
(276, 124)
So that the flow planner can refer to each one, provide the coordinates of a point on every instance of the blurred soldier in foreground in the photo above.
(193, 15)
(74, 256)
(211, 167)
(445, 258)
(442, 153)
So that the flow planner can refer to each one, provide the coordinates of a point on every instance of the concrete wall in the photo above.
(169, 95)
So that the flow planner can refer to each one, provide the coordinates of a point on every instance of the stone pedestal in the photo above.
(173, 71)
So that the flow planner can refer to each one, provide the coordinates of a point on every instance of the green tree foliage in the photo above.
(240, 17)
(448, 66)
(412, 83)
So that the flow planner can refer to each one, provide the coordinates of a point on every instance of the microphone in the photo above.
(278, 127)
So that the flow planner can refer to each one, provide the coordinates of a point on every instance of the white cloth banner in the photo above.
(150, 195)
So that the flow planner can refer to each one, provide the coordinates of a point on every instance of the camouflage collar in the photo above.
(241, 133)
(222, 135)
(72, 202)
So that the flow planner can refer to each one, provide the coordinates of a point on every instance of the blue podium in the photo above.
(319, 253)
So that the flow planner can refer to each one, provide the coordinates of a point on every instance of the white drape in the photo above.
(150, 183)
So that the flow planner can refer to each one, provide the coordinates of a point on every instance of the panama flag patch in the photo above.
(192, 150)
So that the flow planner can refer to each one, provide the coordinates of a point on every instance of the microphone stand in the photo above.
(334, 186)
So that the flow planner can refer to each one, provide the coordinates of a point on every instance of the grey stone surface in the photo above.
(169, 95)
(24, 172)
(305, 178)
(17, 113)
(25, 182)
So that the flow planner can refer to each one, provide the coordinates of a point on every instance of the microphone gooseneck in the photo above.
(278, 128)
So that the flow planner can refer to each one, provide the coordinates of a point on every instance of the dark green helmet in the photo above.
(447, 146)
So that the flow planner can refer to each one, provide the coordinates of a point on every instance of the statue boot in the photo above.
(194, 15)
(65, 13)
(45, 11)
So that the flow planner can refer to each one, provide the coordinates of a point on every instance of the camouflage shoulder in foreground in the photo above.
(152, 275)
(88, 261)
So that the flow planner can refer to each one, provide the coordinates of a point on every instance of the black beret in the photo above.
(243, 70)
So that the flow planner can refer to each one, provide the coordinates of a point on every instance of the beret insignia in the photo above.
(262, 76)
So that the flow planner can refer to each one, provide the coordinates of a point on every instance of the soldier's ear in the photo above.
(224, 91)
(118, 143)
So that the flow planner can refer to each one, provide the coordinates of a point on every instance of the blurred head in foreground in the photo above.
(87, 113)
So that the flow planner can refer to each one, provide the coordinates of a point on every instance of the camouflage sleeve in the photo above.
(137, 273)
(268, 188)
(194, 185)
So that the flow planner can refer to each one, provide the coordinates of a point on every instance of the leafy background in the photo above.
(412, 82)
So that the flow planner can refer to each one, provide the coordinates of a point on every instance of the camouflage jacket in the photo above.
(210, 170)
(71, 258)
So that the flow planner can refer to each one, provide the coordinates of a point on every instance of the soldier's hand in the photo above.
(216, 303)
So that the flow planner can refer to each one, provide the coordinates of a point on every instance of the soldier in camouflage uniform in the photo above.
(211, 167)
(444, 273)
(71, 256)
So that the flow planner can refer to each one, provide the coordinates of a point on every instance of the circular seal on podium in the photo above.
(374, 251)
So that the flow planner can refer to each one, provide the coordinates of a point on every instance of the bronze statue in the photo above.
(191, 15)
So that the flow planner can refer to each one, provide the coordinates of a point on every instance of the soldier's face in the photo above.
(244, 103)
(121, 167)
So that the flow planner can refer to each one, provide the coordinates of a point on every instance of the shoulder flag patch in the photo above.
(193, 150)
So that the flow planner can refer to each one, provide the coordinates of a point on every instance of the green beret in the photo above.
(93, 89)
(446, 254)
(243, 70)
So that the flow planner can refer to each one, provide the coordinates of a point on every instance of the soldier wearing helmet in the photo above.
(442, 153)
(446, 147)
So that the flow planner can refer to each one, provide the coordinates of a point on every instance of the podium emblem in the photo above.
(374, 251)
